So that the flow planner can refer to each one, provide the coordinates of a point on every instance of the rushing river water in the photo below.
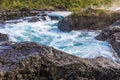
(80, 43)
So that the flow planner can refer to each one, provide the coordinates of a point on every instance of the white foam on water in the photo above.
(59, 13)
(79, 43)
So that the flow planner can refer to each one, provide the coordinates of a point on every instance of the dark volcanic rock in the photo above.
(34, 19)
(32, 61)
(90, 22)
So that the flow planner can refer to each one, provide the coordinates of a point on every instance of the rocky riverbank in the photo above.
(88, 21)
(28, 60)
(16, 14)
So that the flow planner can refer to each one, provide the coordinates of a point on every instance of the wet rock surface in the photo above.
(32, 61)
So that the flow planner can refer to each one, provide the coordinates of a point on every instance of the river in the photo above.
(79, 43)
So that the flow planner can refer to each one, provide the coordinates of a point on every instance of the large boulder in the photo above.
(32, 61)
(65, 24)
(90, 22)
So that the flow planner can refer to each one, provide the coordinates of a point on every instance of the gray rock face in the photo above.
(32, 61)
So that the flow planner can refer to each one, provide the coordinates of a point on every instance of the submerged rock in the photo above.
(34, 19)
(32, 61)
(4, 37)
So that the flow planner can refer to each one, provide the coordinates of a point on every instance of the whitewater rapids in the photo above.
(79, 43)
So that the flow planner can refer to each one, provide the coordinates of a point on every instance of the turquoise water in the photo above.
(79, 43)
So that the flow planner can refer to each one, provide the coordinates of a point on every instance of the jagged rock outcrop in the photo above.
(90, 22)
(32, 61)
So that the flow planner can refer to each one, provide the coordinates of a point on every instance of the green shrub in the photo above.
(74, 5)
